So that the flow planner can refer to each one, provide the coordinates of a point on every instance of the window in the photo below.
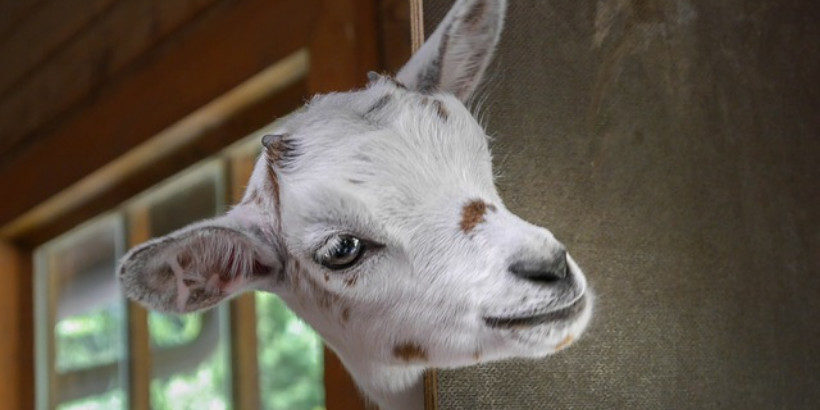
(81, 318)
(88, 337)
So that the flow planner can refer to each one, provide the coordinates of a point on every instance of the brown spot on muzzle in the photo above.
(473, 214)
(410, 352)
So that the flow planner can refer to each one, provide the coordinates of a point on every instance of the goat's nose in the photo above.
(546, 270)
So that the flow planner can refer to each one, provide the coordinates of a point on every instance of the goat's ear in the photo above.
(200, 265)
(455, 57)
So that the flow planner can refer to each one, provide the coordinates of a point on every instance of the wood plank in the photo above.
(139, 346)
(41, 33)
(416, 24)
(430, 390)
(245, 366)
(16, 326)
(80, 68)
(12, 12)
(341, 392)
(394, 34)
(344, 45)
(276, 91)
(176, 80)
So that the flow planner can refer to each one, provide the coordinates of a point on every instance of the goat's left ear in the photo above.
(200, 265)
(456, 55)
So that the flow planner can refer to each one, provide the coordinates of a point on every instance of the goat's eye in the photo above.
(340, 252)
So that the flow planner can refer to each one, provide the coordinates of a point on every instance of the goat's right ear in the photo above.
(200, 265)
(456, 55)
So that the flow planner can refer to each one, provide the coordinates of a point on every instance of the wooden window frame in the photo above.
(53, 196)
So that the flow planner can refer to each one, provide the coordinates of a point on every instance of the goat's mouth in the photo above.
(565, 313)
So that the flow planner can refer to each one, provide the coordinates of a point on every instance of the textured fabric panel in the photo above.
(674, 147)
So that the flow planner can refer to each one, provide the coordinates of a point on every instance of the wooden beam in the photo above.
(244, 348)
(13, 12)
(273, 92)
(430, 390)
(177, 79)
(341, 392)
(394, 34)
(67, 50)
(16, 326)
(344, 46)
(42, 33)
(416, 25)
(139, 346)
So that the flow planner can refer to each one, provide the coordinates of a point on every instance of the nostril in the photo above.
(545, 271)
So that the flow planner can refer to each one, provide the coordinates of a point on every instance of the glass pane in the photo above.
(291, 369)
(190, 353)
(81, 320)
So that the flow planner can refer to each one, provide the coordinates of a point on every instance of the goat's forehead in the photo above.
(386, 134)
(393, 148)
(383, 106)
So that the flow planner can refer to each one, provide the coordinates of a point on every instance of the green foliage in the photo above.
(88, 340)
(173, 330)
(112, 399)
(202, 388)
(290, 358)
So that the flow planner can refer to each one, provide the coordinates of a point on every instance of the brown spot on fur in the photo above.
(351, 281)
(296, 278)
(564, 343)
(345, 315)
(477, 355)
(409, 352)
(440, 110)
(273, 182)
(260, 269)
(184, 259)
(253, 197)
(278, 148)
(278, 152)
(473, 214)
(327, 277)
(323, 298)
(309, 291)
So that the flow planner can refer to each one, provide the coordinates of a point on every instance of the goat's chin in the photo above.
(547, 338)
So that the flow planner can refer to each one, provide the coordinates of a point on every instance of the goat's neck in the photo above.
(392, 387)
